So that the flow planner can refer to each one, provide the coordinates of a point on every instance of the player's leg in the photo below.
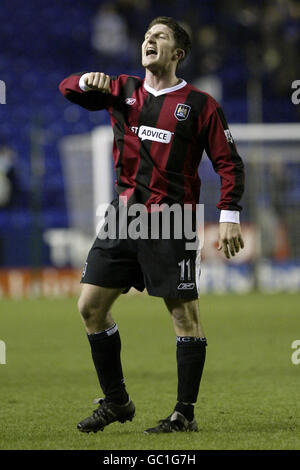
(173, 275)
(185, 316)
(94, 305)
(190, 354)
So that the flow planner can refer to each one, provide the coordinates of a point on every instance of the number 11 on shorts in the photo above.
(183, 265)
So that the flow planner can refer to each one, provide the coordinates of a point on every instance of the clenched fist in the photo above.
(98, 81)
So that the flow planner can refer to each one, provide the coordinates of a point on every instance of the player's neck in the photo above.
(161, 80)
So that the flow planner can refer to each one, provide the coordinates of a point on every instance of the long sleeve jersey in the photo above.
(159, 140)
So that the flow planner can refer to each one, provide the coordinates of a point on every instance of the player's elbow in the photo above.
(62, 88)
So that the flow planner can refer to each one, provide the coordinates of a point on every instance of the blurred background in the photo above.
(55, 163)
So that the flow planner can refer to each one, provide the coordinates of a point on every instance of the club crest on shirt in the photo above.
(182, 111)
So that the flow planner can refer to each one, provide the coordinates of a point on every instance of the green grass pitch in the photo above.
(249, 396)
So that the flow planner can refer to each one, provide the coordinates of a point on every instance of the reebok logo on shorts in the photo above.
(186, 286)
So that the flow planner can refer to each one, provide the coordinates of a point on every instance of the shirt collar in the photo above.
(164, 90)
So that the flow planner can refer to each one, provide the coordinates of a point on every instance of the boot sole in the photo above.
(121, 420)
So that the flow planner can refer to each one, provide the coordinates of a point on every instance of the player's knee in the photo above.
(83, 308)
(90, 309)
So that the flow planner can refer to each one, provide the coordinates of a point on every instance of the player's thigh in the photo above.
(97, 299)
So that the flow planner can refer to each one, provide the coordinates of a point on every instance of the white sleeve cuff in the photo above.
(230, 216)
(82, 85)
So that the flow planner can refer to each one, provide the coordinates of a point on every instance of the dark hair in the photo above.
(181, 37)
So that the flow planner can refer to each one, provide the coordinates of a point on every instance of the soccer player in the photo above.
(161, 127)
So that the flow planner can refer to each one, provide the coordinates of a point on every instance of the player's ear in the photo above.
(179, 54)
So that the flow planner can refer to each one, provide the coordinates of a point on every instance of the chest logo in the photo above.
(182, 111)
(154, 134)
(130, 101)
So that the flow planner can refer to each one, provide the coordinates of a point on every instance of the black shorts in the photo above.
(165, 267)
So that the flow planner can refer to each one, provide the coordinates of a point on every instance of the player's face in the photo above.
(158, 48)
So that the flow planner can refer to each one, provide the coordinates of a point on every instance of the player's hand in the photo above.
(230, 238)
(98, 81)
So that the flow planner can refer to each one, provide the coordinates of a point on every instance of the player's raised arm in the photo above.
(226, 161)
(91, 90)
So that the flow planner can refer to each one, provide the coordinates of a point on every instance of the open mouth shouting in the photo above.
(151, 51)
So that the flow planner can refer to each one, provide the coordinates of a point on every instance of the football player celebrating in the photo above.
(161, 127)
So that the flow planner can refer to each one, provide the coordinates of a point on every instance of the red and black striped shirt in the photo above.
(159, 140)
